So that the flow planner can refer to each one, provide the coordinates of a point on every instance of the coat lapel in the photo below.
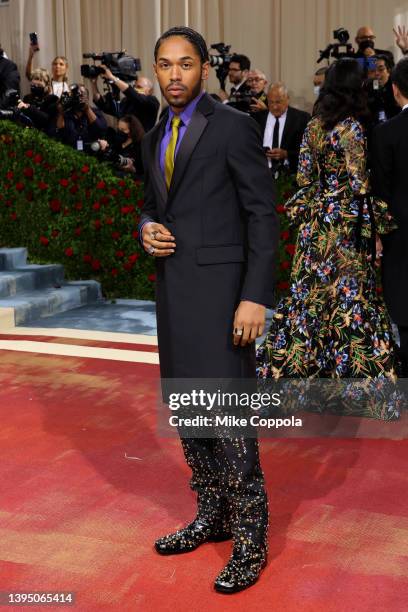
(156, 172)
(190, 140)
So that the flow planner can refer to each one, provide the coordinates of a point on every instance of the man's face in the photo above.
(382, 74)
(179, 71)
(256, 82)
(235, 74)
(278, 101)
(365, 33)
(318, 80)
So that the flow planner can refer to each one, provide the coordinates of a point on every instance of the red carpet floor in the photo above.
(87, 485)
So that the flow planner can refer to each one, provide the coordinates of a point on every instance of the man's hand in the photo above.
(108, 73)
(401, 38)
(277, 154)
(223, 94)
(157, 240)
(104, 144)
(22, 104)
(257, 105)
(249, 323)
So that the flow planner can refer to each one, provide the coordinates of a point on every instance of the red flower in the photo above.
(126, 193)
(135, 234)
(280, 208)
(66, 211)
(114, 192)
(283, 285)
(96, 206)
(85, 169)
(42, 185)
(285, 264)
(44, 240)
(101, 185)
(37, 159)
(55, 205)
(104, 199)
(55, 233)
(12, 154)
(87, 258)
(96, 264)
(78, 231)
(73, 189)
(9, 175)
(19, 186)
(114, 271)
(122, 183)
(133, 258)
(379, 290)
(97, 224)
(128, 266)
(152, 277)
(115, 235)
(140, 203)
(8, 203)
(13, 216)
(285, 235)
(64, 182)
(125, 210)
(78, 206)
(29, 153)
(109, 221)
(69, 252)
(290, 248)
(120, 254)
(74, 176)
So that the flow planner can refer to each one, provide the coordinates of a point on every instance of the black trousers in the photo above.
(403, 334)
(228, 480)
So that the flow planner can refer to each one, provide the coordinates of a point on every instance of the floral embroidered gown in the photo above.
(333, 324)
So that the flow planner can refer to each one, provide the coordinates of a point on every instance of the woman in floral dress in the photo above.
(334, 323)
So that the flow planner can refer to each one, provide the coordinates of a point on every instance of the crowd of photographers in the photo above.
(63, 110)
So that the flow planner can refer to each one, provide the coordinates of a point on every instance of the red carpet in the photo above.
(87, 486)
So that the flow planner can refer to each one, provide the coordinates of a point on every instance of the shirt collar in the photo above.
(187, 113)
(405, 107)
(281, 117)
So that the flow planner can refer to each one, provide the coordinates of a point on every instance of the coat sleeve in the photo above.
(381, 172)
(256, 192)
(149, 211)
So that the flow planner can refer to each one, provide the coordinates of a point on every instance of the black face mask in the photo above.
(121, 137)
(37, 91)
(365, 44)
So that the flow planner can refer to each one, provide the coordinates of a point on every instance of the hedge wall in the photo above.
(69, 208)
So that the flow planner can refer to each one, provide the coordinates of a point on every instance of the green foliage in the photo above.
(66, 207)
(285, 188)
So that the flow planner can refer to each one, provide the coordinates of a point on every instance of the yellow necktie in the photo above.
(170, 151)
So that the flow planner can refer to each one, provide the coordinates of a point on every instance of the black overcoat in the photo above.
(390, 182)
(221, 210)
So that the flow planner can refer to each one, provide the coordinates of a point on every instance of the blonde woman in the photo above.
(40, 105)
(59, 71)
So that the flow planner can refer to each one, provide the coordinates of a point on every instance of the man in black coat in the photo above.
(282, 128)
(209, 221)
(390, 182)
(9, 78)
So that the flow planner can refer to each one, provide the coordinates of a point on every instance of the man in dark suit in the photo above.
(9, 78)
(209, 221)
(390, 182)
(282, 127)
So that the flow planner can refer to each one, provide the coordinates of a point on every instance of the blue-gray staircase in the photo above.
(37, 291)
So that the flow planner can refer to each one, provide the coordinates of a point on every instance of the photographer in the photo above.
(365, 39)
(238, 71)
(9, 78)
(138, 100)
(124, 148)
(381, 99)
(77, 123)
(257, 83)
(40, 105)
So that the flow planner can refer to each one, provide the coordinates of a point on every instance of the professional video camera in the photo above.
(221, 61)
(123, 66)
(342, 48)
(11, 112)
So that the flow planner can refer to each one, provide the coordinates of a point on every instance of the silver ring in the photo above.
(238, 332)
(151, 250)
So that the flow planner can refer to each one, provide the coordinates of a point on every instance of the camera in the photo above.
(123, 66)
(109, 155)
(241, 101)
(11, 99)
(341, 48)
(221, 61)
(341, 35)
(71, 100)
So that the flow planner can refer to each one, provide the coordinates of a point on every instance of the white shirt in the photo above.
(58, 87)
(268, 134)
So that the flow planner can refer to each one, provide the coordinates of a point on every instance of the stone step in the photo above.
(30, 277)
(13, 258)
(39, 303)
